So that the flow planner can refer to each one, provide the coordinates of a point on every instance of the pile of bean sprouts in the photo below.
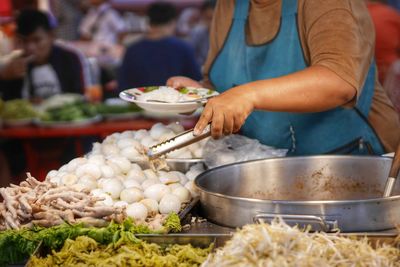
(278, 244)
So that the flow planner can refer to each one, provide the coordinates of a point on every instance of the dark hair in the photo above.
(30, 20)
(161, 13)
(208, 4)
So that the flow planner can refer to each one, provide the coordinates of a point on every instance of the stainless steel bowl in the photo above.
(325, 191)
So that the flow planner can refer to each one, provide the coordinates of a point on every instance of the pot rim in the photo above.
(295, 202)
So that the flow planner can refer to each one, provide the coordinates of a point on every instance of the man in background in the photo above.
(160, 55)
(43, 67)
(102, 23)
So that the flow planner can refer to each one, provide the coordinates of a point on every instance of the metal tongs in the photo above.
(394, 172)
(179, 141)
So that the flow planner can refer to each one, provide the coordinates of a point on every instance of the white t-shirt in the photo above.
(45, 82)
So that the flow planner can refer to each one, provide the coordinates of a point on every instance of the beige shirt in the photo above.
(336, 34)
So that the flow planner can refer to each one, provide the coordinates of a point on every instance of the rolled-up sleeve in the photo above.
(339, 35)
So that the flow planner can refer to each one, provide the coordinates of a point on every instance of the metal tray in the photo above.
(181, 165)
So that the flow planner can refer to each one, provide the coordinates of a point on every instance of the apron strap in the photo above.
(365, 101)
(241, 9)
(289, 7)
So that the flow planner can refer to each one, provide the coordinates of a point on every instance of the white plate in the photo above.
(133, 95)
(68, 124)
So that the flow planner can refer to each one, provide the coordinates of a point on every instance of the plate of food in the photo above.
(168, 99)
(116, 109)
(72, 114)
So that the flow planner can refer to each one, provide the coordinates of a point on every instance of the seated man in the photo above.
(44, 67)
(160, 55)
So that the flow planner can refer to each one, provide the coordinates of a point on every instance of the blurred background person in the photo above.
(44, 68)
(387, 48)
(68, 14)
(159, 55)
(387, 27)
(199, 35)
(102, 23)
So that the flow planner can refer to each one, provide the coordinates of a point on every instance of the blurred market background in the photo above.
(63, 63)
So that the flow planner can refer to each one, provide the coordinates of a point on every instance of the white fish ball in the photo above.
(140, 134)
(75, 163)
(138, 175)
(168, 177)
(156, 191)
(149, 182)
(107, 200)
(148, 141)
(130, 153)
(166, 136)
(123, 163)
(88, 182)
(77, 187)
(120, 204)
(127, 134)
(88, 169)
(176, 127)
(151, 205)
(107, 171)
(113, 187)
(110, 149)
(69, 179)
(169, 203)
(127, 142)
(182, 193)
(132, 183)
(99, 160)
(51, 174)
(173, 186)
(63, 168)
(150, 174)
(136, 167)
(131, 195)
(138, 211)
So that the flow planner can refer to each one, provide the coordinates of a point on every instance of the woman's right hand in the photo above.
(181, 81)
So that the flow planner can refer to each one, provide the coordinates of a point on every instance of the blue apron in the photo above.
(339, 131)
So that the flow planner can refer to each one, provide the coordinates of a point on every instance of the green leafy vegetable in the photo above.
(150, 88)
(85, 251)
(18, 109)
(17, 245)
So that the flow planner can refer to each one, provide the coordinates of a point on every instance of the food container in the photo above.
(326, 192)
(181, 165)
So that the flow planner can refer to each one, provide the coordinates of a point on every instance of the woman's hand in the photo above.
(227, 112)
(180, 81)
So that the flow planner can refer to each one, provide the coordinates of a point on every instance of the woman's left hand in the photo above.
(227, 112)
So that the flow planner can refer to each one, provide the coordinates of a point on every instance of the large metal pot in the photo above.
(324, 191)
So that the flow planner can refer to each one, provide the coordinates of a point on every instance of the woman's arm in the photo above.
(312, 90)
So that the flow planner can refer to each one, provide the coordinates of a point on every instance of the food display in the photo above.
(130, 144)
(278, 244)
(124, 252)
(71, 112)
(18, 245)
(143, 194)
(46, 204)
(170, 94)
(116, 109)
(18, 111)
